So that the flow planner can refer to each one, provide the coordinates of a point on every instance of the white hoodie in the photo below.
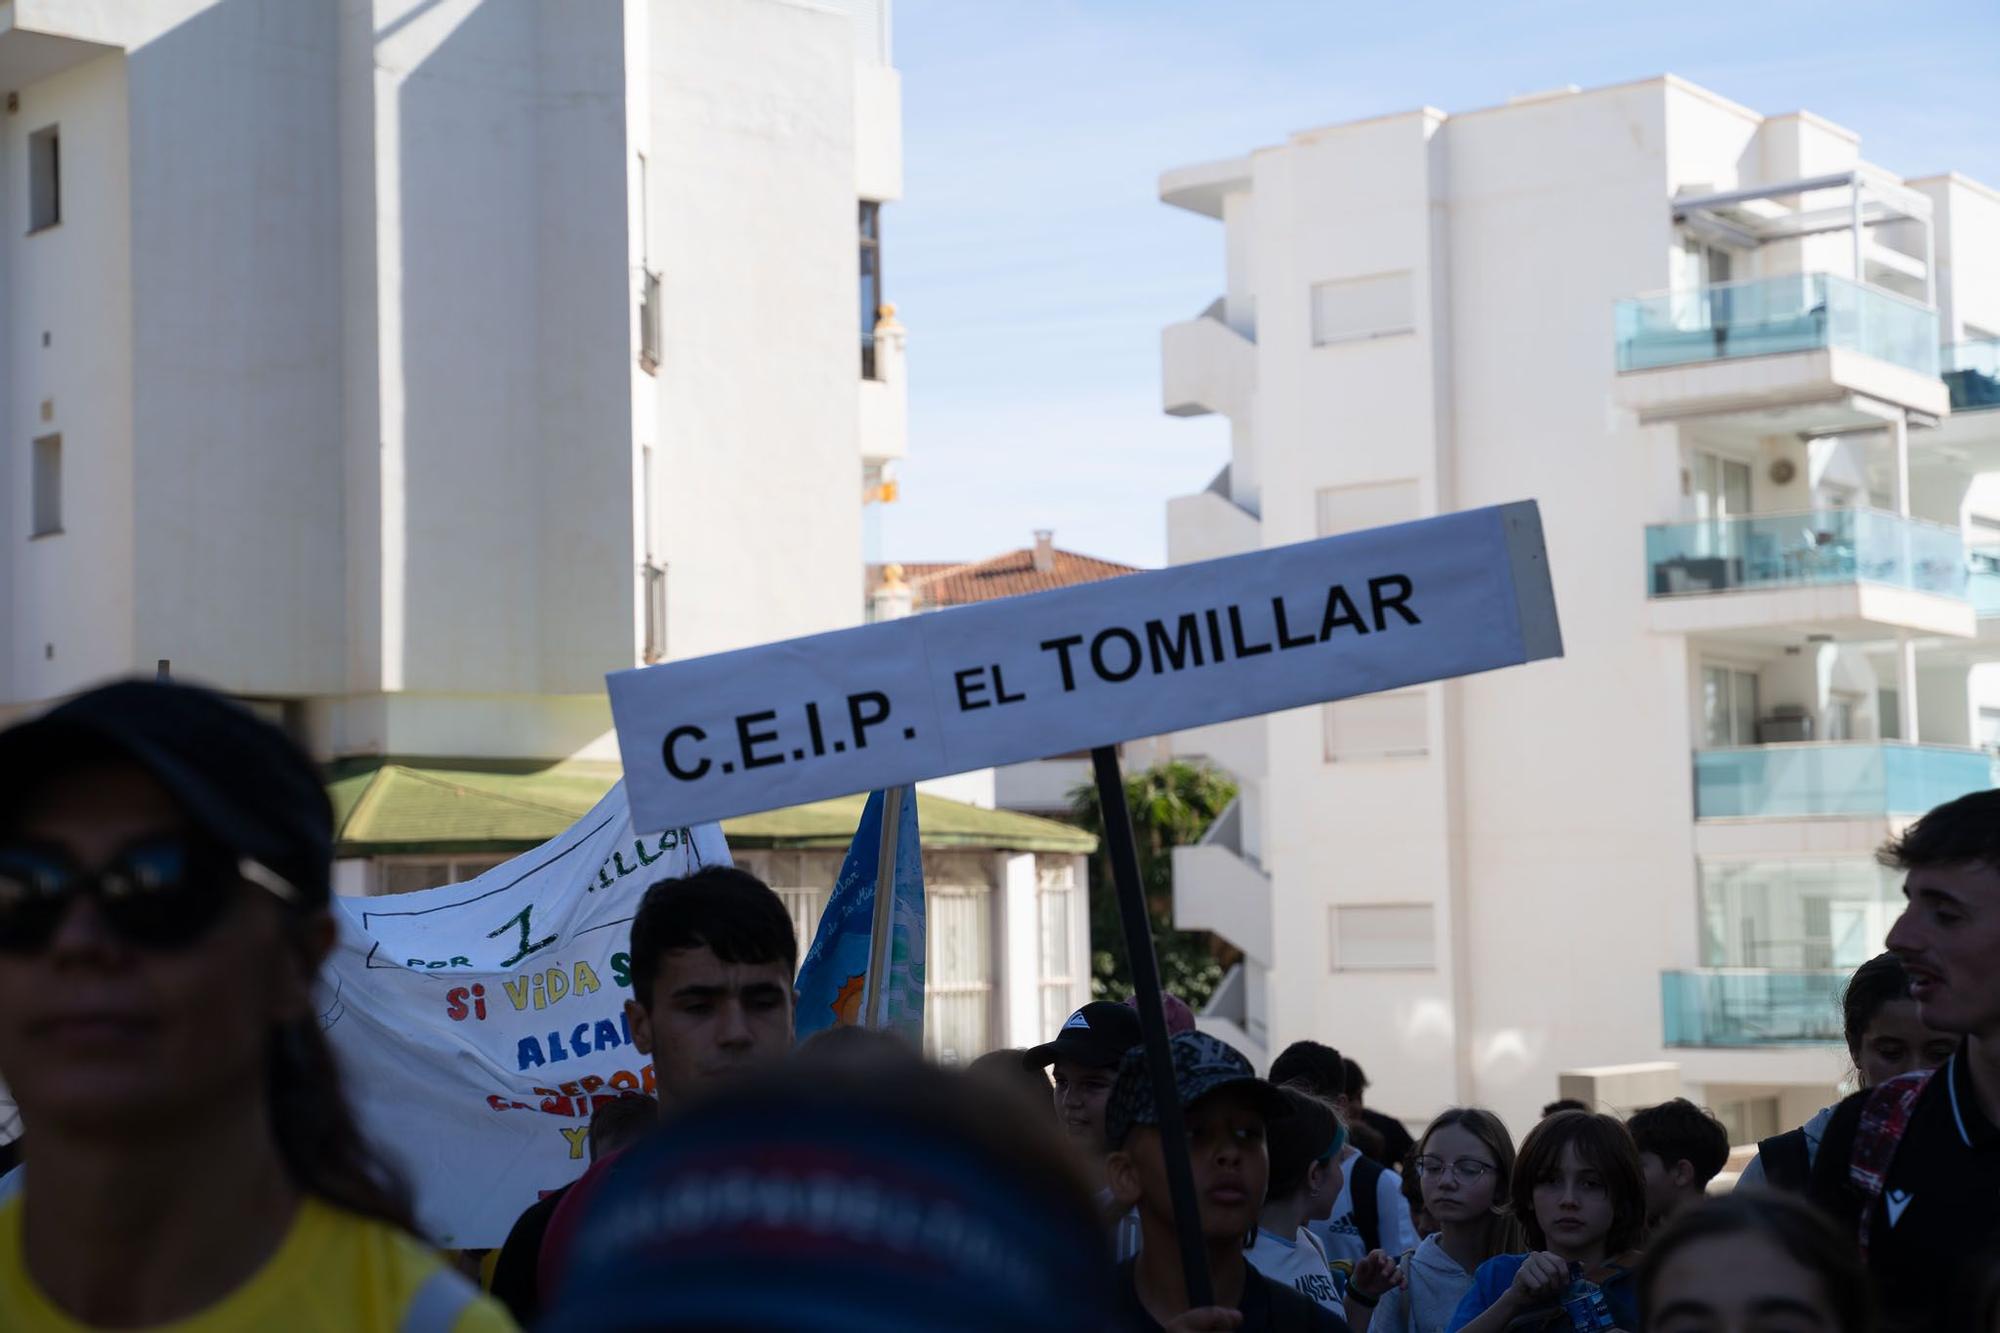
(1433, 1285)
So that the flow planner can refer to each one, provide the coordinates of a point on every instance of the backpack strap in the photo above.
(1787, 1161)
(1885, 1118)
(1367, 1206)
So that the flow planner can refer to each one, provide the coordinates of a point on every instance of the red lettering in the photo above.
(454, 1004)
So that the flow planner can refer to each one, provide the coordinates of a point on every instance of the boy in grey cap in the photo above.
(1226, 1108)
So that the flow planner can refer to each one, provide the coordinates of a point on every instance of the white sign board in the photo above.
(478, 1025)
(1026, 677)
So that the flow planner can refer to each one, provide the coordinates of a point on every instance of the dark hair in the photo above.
(1795, 1227)
(1005, 1068)
(722, 908)
(1564, 1104)
(1880, 981)
(1605, 1145)
(1312, 1133)
(1312, 1065)
(1413, 1196)
(1680, 1131)
(318, 1138)
(1353, 1081)
(1503, 1233)
(1961, 832)
(620, 1120)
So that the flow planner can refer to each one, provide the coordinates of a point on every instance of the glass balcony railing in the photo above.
(1802, 549)
(1971, 371)
(1982, 582)
(1742, 1007)
(1797, 312)
(1836, 778)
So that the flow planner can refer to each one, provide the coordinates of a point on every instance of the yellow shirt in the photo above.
(335, 1271)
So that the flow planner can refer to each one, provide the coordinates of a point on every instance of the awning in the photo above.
(442, 806)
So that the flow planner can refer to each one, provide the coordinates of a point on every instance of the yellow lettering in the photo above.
(558, 984)
(577, 1138)
(518, 993)
(585, 981)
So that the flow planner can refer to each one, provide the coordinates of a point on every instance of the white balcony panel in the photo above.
(1857, 611)
(885, 419)
(1823, 390)
(1208, 526)
(1206, 366)
(1215, 889)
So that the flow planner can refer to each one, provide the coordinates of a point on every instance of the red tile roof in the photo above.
(936, 586)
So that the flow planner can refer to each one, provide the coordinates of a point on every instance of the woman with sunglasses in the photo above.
(164, 881)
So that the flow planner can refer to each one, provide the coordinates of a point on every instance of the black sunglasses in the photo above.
(159, 893)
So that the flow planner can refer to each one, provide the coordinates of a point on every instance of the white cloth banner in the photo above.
(1024, 677)
(479, 1024)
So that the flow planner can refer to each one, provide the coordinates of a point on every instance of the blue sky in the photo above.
(1033, 265)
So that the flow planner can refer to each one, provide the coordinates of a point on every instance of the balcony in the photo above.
(1852, 572)
(1839, 780)
(1804, 352)
(1732, 1007)
(1207, 366)
(1218, 888)
(1982, 583)
(1971, 373)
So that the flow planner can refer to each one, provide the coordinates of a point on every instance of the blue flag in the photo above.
(834, 980)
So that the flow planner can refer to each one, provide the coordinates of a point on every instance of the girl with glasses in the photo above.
(1465, 1166)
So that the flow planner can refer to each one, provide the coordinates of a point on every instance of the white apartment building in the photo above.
(407, 365)
(1742, 369)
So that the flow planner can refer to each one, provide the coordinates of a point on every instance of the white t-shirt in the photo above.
(1340, 1235)
(1296, 1262)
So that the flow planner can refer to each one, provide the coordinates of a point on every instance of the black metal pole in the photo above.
(1138, 931)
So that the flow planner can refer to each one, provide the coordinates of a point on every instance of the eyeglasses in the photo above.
(160, 893)
(1467, 1169)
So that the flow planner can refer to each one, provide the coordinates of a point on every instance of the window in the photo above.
(1354, 309)
(649, 324)
(400, 874)
(1796, 914)
(1843, 716)
(1377, 504)
(871, 283)
(44, 179)
(1750, 1120)
(958, 970)
(1721, 486)
(47, 486)
(1384, 937)
(1728, 707)
(1378, 726)
(1889, 715)
(1053, 899)
(656, 612)
(1989, 729)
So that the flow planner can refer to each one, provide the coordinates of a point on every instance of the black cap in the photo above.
(240, 779)
(1098, 1034)
(1202, 1065)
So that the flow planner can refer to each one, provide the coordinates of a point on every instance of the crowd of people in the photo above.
(191, 1162)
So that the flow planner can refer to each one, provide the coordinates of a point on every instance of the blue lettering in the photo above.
(556, 1052)
(578, 1042)
(606, 1034)
(531, 1053)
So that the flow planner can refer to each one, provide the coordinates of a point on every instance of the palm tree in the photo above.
(1172, 805)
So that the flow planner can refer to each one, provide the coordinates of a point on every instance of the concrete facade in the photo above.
(1477, 886)
(348, 332)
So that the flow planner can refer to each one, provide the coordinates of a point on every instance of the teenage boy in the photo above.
(1371, 1213)
(1681, 1149)
(713, 955)
(1082, 1062)
(1226, 1108)
(1397, 1145)
(1912, 1166)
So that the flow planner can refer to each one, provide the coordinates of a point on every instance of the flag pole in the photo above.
(1138, 932)
(875, 989)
